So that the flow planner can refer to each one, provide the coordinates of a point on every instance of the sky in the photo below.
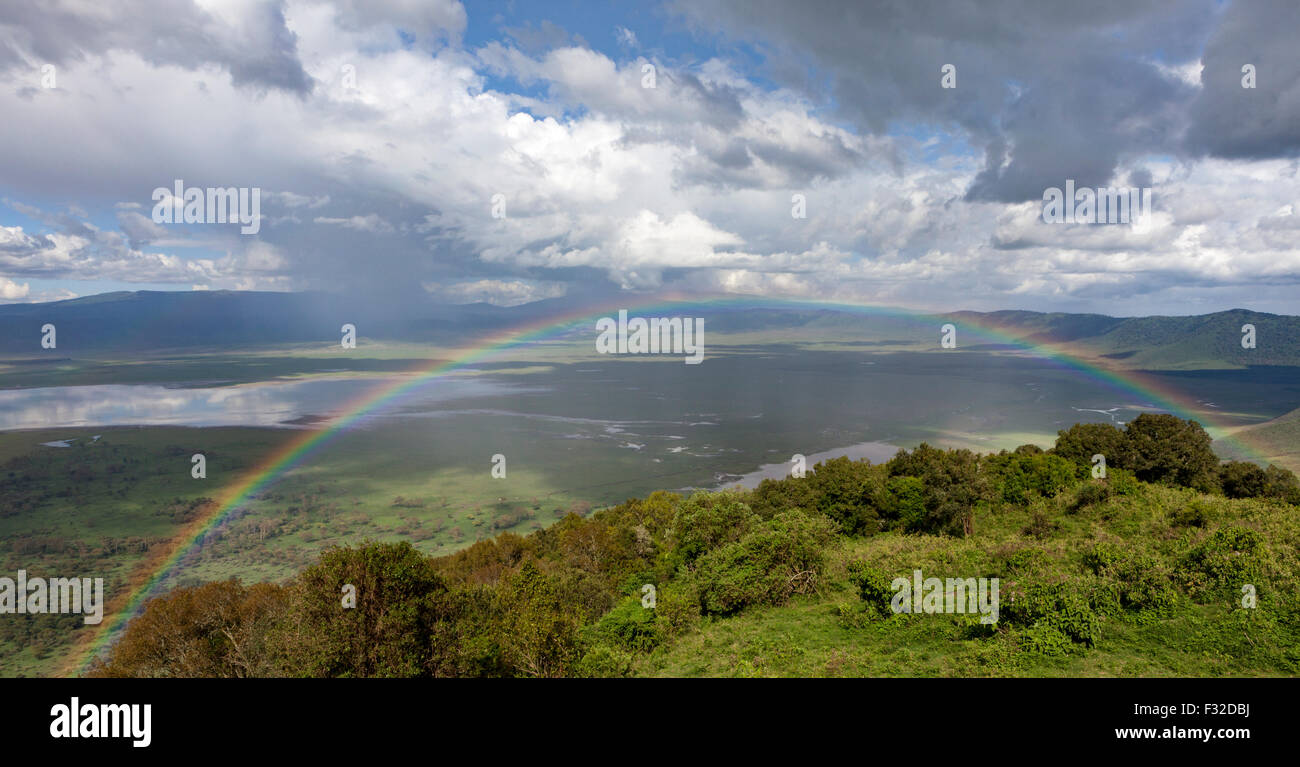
(438, 151)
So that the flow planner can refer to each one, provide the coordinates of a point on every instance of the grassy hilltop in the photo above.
(1173, 564)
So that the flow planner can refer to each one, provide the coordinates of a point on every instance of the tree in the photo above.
(1282, 484)
(217, 629)
(954, 486)
(705, 521)
(846, 491)
(1082, 441)
(537, 637)
(1163, 448)
(1241, 479)
(390, 632)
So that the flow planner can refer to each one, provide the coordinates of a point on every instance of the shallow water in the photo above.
(271, 403)
(876, 452)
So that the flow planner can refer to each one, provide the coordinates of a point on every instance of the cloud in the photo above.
(372, 223)
(12, 291)
(499, 292)
(249, 40)
(1229, 120)
(380, 140)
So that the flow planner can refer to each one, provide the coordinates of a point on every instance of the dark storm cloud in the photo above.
(1233, 121)
(1047, 91)
(258, 50)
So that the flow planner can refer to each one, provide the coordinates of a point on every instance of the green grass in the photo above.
(1278, 440)
(827, 634)
(97, 510)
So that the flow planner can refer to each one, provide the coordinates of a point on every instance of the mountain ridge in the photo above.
(149, 320)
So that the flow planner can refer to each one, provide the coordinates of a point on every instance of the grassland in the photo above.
(102, 508)
(828, 634)
(1277, 440)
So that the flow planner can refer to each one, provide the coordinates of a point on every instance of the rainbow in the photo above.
(155, 569)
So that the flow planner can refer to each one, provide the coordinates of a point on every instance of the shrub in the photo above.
(538, 637)
(1282, 484)
(773, 496)
(1091, 494)
(399, 598)
(1046, 640)
(953, 486)
(1102, 557)
(1140, 582)
(782, 557)
(1224, 561)
(1026, 476)
(1056, 606)
(1242, 480)
(847, 491)
(1040, 526)
(873, 588)
(1026, 560)
(1194, 514)
(630, 627)
(706, 521)
(904, 505)
(677, 606)
(602, 661)
(212, 630)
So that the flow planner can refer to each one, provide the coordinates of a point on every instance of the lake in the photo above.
(617, 427)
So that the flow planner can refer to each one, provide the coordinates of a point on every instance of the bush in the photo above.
(1023, 477)
(953, 486)
(1282, 484)
(677, 607)
(1046, 640)
(1103, 557)
(706, 521)
(602, 661)
(782, 557)
(904, 504)
(390, 632)
(873, 588)
(213, 630)
(630, 627)
(1242, 480)
(1140, 582)
(1224, 562)
(1194, 514)
(1055, 606)
(1040, 526)
(537, 635)
(1091, 494)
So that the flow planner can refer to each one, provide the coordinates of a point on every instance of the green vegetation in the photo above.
(1148, 571)
(103, 508)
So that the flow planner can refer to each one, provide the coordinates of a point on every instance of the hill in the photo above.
(1160, 343)
(1278, 440)
(152, 321)
(1118, 576)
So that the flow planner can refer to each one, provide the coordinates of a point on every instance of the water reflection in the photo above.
(262, 404)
